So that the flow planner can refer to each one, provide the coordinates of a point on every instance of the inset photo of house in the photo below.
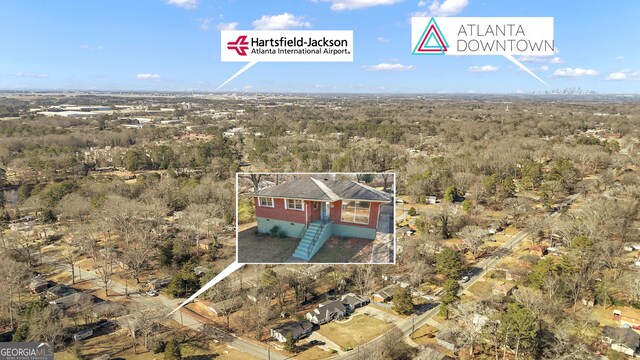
(337, 218)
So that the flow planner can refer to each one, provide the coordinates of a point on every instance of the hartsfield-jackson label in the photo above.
(287, 45)
(299, 42)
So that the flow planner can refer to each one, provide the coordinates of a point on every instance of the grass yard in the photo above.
(344, 250)
(481, 289)
(511, 230)
(313, 353)
(360, 330)
(425, 335)
(264, 249)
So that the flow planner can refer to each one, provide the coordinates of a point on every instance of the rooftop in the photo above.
(325, 190)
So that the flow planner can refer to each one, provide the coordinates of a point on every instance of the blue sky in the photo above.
(173, 45)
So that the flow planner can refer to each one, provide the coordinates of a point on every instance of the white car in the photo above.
(465, 279)
(152, 293)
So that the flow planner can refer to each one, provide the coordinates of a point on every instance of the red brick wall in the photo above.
(336, 212)
(279, 212)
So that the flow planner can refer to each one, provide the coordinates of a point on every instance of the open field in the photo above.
(357, 331)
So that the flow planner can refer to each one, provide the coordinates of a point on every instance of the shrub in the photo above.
(274, 230)
(412, 211)
(282, 234)
(157, 346)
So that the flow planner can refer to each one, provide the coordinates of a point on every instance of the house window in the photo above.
(294, 204)
(355, 212)
(266, 202)
(315, 206)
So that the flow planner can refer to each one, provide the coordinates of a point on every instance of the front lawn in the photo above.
(338, 249)
(359, 330)
(254, 248)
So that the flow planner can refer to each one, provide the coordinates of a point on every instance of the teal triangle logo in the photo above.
(432, 41)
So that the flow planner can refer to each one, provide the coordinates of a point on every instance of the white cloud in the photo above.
(148, 76)
(444, 8)
(185, 4)
(32, 75)
(617, 76)
(485, 68)
(227, 26)
(280, 22)
(543, 68)
(624, 74)
(388, 67)
(574, 72)
(339, 5)
(204, 23)
(541, 59)
(422, 3)
(91, 48)
(619, 58)
(532, 59)
(382, 39)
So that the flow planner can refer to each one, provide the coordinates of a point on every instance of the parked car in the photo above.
(152, 293)
(465, 279)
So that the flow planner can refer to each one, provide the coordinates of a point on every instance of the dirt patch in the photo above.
(344, 250)
(254, 248)
(425, 335)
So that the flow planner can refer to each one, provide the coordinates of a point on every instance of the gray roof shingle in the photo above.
(624, 336)
(324, 190)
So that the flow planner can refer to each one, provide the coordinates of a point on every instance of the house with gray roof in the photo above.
(297, 330)
(624, 340)
(327, 311)
(314, 209)
(353, 301)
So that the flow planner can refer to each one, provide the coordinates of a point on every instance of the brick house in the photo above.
(314, 209)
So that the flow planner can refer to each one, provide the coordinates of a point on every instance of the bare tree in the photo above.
(105, 271)
(20, 247)
(47, 326)
(363, 278)
(70, 256)
(473, 237)
(13, 275)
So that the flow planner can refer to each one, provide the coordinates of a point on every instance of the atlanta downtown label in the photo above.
(287, 46)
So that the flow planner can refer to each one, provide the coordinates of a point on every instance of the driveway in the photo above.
(328, 344)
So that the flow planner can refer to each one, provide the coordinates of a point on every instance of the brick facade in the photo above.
(279, 212)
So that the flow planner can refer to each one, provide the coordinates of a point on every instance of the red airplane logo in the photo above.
(240, 45)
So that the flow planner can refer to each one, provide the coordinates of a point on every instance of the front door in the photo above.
(325, 211)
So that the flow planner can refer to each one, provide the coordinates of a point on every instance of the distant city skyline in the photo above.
(173, 45)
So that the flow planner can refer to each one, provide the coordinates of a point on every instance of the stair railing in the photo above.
(314, 240)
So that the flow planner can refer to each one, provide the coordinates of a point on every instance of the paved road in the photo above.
(417, 321)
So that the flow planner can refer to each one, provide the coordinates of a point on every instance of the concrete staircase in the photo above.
(313, 239)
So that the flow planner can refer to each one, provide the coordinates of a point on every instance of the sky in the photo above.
(174, 45)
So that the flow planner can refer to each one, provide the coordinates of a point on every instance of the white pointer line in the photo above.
(226, 272)
(521, 66)
(245, 68)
